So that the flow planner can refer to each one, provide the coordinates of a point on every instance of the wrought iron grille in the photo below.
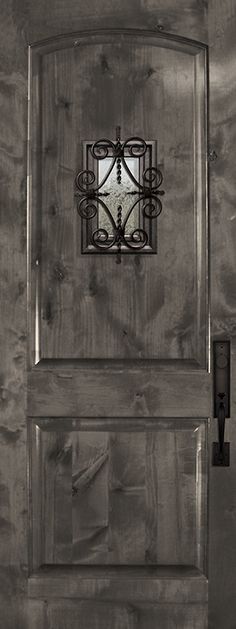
(91, 197)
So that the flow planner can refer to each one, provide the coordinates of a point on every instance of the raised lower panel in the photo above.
(107, 492)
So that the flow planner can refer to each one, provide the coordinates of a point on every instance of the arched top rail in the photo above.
(102, 36)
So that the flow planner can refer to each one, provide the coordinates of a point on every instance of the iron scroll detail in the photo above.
(146, 193)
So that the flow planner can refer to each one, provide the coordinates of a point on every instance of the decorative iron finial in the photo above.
(118, 134)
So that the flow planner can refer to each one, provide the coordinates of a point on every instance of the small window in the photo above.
(117, 196)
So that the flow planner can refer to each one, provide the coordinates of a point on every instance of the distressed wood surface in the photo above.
(37, 613)
(118, 617)
(119, 497)
(81, 294)
(56, 509)
(222, 520)
(166, 584)
(90, 489)
(13, 493)
(182, 17)
(22, 23)
(126, 616)
(138, 392)
(57, 260)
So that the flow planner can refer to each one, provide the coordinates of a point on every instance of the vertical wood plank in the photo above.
(127, 498)
(90, 497)
(177, 499)
(58, 216)
(222, 513)
(174, 501)
(13, 481)
(35, 496)
(202, 460)
(37, 614)
(152, 516)
(56, 461)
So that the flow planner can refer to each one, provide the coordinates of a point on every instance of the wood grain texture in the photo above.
(56, 478)
(222, 572)
(90, 506)
(81, 293)
(124, 616)
(58, 223)
(182, 17)
(21, 23)
(172, 515)
(37, 614)
(133, 497)
(137, 392)
(181, 584)
(127, 498)
(13, 493)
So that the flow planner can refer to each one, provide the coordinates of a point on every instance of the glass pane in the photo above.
(118, 193)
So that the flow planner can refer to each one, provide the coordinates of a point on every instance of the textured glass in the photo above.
(118, 192)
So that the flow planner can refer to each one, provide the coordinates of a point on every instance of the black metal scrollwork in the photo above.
(90, 195)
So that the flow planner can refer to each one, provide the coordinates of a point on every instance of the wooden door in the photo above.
(127, 521)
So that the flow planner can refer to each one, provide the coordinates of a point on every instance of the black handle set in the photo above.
(221, 367)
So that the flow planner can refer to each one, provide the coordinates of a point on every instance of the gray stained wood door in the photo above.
(118, 454)
(125, 512)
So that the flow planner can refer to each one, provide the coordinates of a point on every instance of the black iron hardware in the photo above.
(91, 197)
(221, 365)
(221, 449)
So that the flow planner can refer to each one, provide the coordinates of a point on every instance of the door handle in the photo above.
(221, 426)
(221, 372)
